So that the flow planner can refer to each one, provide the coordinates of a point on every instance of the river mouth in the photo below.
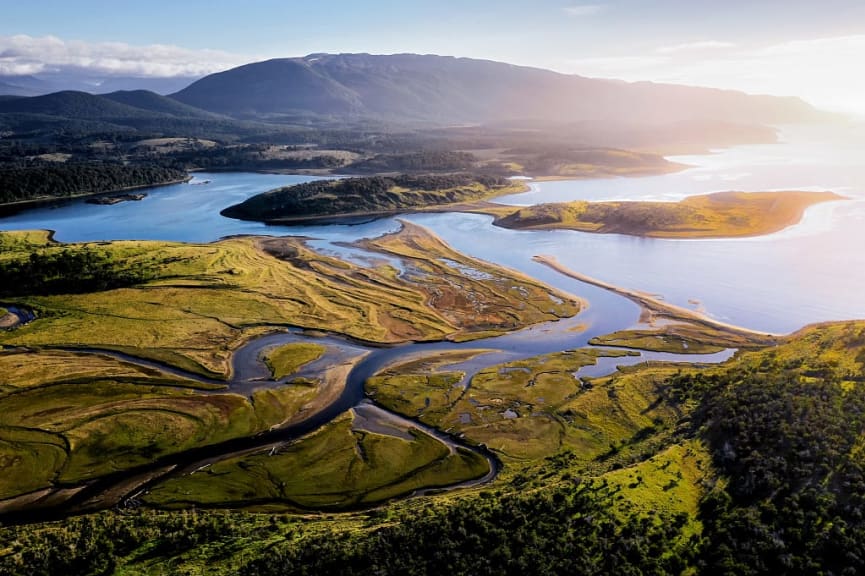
(360, 362)
(778, 283)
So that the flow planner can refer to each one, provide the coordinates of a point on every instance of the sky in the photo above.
(811, 49)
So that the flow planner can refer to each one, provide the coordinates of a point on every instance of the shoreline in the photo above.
(12, 208)
(347, 218)
(658, 308)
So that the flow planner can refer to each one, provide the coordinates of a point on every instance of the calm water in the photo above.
(812, 272)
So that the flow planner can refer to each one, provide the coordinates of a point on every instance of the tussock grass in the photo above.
(335, 467)
(286, 360)
(718, 215)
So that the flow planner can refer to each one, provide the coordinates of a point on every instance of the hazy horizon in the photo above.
(807, 49)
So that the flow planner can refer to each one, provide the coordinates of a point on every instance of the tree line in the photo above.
(60, 180)
(67, 271)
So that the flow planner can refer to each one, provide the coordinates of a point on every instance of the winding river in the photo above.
(811, 272)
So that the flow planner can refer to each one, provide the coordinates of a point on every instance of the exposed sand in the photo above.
(9, 320)
(653, 307)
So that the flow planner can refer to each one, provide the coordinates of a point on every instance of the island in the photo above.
(371, 196)
(116, 199)
(717, 215)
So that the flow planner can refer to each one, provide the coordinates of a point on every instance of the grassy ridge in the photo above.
(496, 300)
(718, 215)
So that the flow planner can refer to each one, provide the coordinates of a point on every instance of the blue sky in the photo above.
(758, 45)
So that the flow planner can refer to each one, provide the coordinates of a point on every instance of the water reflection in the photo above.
(812, 272)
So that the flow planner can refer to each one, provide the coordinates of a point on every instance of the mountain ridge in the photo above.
(448, 89)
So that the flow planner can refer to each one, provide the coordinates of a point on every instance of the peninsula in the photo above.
(717, 215)
(372, 196)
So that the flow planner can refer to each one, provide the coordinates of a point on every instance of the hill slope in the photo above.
(449, 90)
(150, 101)
(71, 104)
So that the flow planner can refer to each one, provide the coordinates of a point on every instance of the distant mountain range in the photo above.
(408, 89)
(447, 90)
(45, 83)
(107, 107)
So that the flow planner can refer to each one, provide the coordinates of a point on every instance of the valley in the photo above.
(356, 325)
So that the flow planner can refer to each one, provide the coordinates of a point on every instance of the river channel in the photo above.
(811, 272)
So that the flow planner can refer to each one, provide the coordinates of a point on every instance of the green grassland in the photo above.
(751, 465)
(531, 409)
(207, 299)
(658, 468)
(69, 430)
(68, 416)
(335, 467)
(678, 338)
(458, 288)
(288, 359)
(23, 368)
(718, 215)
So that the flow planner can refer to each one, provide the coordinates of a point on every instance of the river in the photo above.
(811, 272)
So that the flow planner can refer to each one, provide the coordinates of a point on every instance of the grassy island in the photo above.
(718, 215)
(287, 359)
(375, 195)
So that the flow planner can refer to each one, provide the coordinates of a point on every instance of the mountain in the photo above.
(24, 86)
(61, 81)
(160, 86)
(71, 104)
(152, 102)
(113, 106)
(83, 113)
(447, 90)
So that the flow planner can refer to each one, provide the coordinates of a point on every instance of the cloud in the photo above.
(579, 10)
(22, 54)
(695, 46)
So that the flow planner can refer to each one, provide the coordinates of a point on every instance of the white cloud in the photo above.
(694, 46)
(22, 54)
(583, 9)
(823, 71)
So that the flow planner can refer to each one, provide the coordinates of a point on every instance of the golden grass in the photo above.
(522, 409)
(678, 338)
(288, 359)
(334, 467)
(29, 459)
(104, 414)
(209, 298)
(471, 292)
(29, 368)
(718, 215)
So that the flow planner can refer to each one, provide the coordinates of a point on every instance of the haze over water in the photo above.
(811, 272)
